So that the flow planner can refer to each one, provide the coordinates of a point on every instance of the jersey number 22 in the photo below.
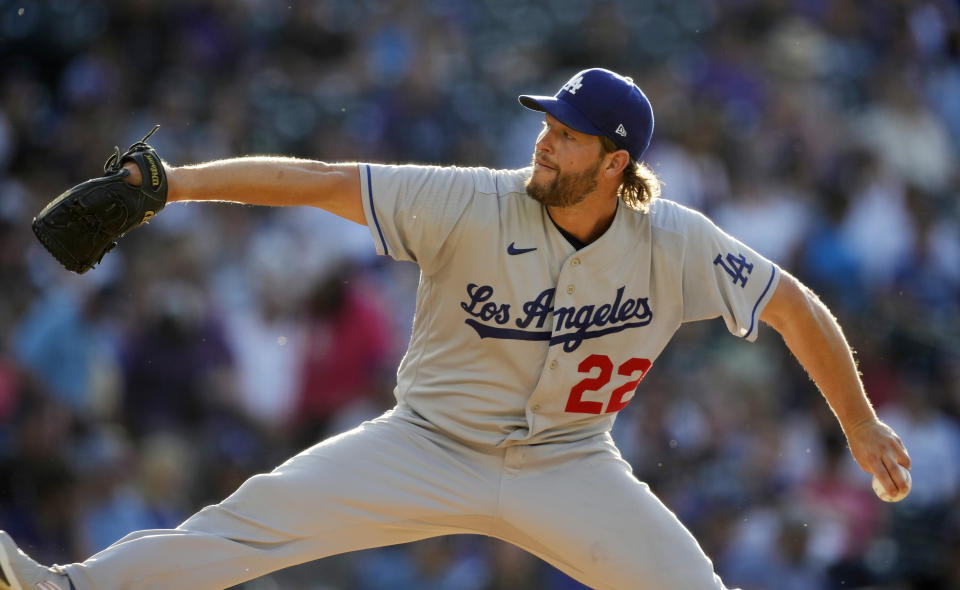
(620, 397)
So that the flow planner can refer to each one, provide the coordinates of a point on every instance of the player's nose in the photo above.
(544, 142)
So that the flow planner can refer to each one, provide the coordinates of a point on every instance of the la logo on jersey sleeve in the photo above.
(735, 266)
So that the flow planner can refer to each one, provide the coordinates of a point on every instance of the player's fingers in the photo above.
(876, 447)
(877, 467)
(895, 451)
(903, 457)
(882, 474)
(893, 446)
(894, 475)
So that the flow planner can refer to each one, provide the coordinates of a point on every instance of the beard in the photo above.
(566, 188)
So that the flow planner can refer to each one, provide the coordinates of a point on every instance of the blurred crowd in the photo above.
(221, 339)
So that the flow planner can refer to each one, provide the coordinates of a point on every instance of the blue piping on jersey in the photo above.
(374, 212)
(753, 314)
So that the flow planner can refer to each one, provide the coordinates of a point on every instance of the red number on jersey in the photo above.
(620, 397)
(575, 402)
(627, 369)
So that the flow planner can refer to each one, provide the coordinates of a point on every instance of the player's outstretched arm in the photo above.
(274, 181)
(813, 336)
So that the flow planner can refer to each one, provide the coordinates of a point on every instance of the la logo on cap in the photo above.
(573, 85)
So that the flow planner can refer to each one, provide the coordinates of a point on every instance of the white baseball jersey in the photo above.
(518, 337)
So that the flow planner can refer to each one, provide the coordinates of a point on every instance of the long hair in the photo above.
(640, 184)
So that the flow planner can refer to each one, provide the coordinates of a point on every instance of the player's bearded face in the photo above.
(566, 188)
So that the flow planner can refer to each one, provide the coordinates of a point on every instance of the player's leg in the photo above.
(579, 507)
(383, 483)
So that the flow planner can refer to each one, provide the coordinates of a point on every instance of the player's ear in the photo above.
(616, 162)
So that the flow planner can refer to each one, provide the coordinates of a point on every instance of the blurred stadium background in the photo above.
(221, 339)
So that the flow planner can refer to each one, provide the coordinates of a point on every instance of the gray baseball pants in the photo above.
(576, 505)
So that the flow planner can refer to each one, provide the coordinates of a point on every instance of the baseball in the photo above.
(882, 494)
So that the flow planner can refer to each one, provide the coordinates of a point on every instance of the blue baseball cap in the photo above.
(601, 102)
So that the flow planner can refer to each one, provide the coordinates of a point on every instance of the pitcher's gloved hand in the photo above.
(85, 222)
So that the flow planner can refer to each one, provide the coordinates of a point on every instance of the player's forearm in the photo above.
(271, 181)
(815, 338)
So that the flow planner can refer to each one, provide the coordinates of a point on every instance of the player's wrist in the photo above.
(186, 183)
(852, 427)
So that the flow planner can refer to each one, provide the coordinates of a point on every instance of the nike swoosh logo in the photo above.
(513, 250)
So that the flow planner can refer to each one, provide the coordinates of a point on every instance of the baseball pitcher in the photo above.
(546, 295)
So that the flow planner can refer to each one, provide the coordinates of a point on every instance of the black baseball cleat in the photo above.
(19, 572)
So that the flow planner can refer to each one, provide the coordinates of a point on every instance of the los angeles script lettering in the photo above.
(583, 322)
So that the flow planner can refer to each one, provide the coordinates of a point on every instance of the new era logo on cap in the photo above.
(601, 102)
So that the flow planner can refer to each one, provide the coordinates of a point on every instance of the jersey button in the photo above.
(575, 262)
(570, 289)
(536, 408)
(553, 364)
